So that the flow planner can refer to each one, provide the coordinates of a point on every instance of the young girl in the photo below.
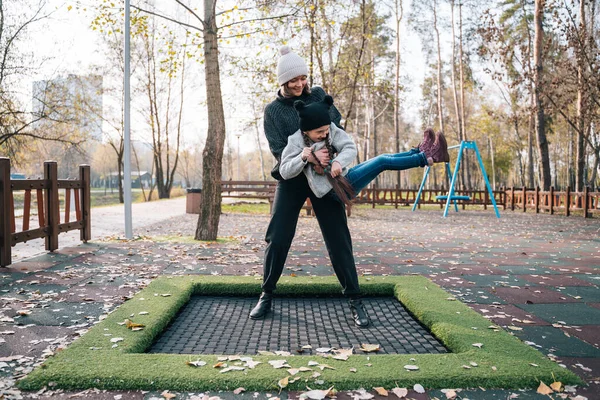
(317, 132)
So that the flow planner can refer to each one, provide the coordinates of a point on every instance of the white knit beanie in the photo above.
(290, 65)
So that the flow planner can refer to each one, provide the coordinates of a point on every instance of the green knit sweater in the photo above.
(281, 119)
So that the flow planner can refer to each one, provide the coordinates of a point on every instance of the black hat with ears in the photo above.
(314, 115)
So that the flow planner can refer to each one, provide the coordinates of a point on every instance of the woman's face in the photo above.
(296, 85)
(319, 134)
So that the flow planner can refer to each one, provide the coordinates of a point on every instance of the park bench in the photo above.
(261, 190)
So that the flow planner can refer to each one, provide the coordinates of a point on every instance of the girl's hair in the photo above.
(341, 186)
(286, 93)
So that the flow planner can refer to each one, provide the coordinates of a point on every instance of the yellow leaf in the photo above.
(381, 391)
(168, 395)
(283, 382)
(556, 386)
(69, 8)
(220, 364)
(368, 348)
(544, 389)
(130, 324)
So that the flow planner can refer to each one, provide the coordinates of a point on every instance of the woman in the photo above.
(280, 121)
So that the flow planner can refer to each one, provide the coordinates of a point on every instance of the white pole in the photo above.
(127, 138)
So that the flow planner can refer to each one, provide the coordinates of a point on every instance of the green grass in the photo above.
(246, 208)
(503, 361)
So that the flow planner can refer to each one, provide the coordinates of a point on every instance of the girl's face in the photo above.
(319, 134)
(296, 85)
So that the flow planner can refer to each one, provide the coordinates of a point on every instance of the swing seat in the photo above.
(465, 198)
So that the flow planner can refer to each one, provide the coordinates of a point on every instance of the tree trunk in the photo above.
(463, 113)
(581, 123)
(210, 207)
(439, 68)
(457, 110)
(540, 120)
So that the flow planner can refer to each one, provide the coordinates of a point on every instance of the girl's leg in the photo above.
(362, 174)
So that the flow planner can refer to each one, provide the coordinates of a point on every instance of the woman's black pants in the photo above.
(290, 196)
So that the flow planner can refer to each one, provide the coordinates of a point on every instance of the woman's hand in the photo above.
(323, 157)
(336, 169)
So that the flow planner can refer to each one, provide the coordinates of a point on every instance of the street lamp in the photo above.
(238, 155)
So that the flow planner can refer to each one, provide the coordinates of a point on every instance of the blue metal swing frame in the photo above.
(464, 145)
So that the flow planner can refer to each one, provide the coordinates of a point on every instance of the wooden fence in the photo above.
(551, 201)
(48, 207)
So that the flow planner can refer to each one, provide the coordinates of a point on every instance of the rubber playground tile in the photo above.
(378, 269)
(27, 266)
(473, 269)
(587, 294)
(28, 289)
(554, 280)
(97, 293)
(62, 314)
(195, 269)
(552, 340)
(67, 278)
(526, 270)
(497, 280)
(507, 314)
(31, 341)
(474, 394)
(269, 395)
(585, 367)
(532, 295)
(566, 313)
(475, 295)
(588, 333)
(593, 278)
(416, 269)
(7, 278)
(450, 281)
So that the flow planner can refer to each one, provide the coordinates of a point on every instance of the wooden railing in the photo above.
(567, 202)
(46, 191)
(551, 201)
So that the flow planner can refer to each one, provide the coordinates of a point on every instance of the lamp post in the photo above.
(238, 155)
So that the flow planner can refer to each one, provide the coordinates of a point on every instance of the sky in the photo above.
(70, 46)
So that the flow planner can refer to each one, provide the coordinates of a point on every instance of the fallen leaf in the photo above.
(239, 390)
(232, 368)
(168, 395)
(556, 386)
(293, 371)
(324, 366)
(381, 391)
(450, 394)
(198, 363)
(23, 313)
(419, 388)
(368, 348)
(316, 394)
(116, 340)
(411, 367)
(279, 364)
(352, 369)
(220, 364)
(131, 325)
(478, 345)
(544, 389)
(400, 392)
(282, 383)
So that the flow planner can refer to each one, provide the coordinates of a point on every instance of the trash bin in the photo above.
(192, 201)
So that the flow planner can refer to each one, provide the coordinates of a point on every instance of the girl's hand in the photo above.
(323, 157)
(336, 169)
(307, 154)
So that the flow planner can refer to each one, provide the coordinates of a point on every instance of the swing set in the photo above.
(451, 196)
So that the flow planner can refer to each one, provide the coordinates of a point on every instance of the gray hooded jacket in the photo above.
(292, 163)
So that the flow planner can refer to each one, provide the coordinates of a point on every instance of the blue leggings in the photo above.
(362, 174)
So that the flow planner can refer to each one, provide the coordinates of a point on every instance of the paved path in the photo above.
(537, 276)
(110, 221)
